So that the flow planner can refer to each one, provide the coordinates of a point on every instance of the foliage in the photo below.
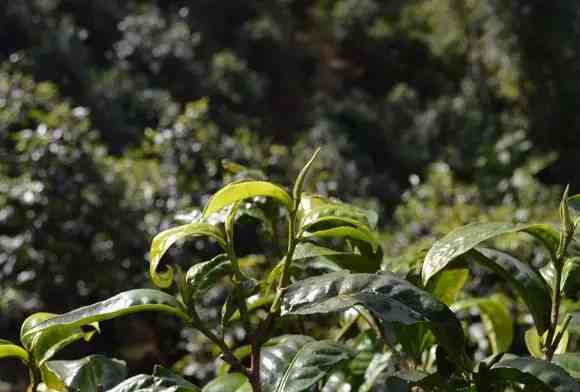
(397, 323)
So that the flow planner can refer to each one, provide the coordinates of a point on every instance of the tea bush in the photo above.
(319, 312)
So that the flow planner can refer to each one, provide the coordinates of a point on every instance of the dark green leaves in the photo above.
(526, 282)
(465, 238)
(202, 276)
(389, 297)
(163, 241)
(294, 363)
(89, 374)
(353, 261)
(128, 302)
(162, 380)
(539, 374)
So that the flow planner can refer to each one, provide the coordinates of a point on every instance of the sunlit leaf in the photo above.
(465, 238)
(534, 345)
(125, 303)
(243, 190)
(163, 241)
(315, 210)
(11, 350)
(299, 184)
(234, 382)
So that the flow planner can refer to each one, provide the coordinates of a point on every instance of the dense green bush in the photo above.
(396, 331)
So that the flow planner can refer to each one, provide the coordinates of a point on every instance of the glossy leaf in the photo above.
(202, 276)
(338, 381)
(234, 382)
(317, 210)
(528, 284)
(534, 345)
(163, 241)
(299, 184)
(125, 303)
(542, 375)
(239, 191)
(92, 373)
(389, 297)
(497, 319)
(354, 233)
(348, 260)
(571, 276)
(162, 380)
(447, 285)
(44, 345)
(380, 364)
(11, 350)
(294, 363)
(465, 238)
(569, 362)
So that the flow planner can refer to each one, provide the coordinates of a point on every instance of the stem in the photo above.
(265, 329)
(227, 353)
(34, 376)
(254, 373)
(556, 297)
(551, 343)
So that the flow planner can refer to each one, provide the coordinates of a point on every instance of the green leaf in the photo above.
(317, 210)
(92, 373)
(11, 350)
(354, 233)
(163, 241)
(574, 204)
(125, 303)
(528, 284)
(294, 363)
(162, 380)
(202, 276)
(338, 381)
(447, 284)
(234, 382)
(534, 344)
(389, 297)
(299, 184)
(45, 344)
(465, 238)
(497, 319)
(569, 362)
(542, 375)
(378, 367)
(349, 260)
(242, 190)
(571, 276)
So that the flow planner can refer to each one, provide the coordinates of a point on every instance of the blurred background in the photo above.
(116, 115)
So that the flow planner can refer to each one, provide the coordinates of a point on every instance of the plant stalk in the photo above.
(551, 344)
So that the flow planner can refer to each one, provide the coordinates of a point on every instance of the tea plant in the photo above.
(393, 333)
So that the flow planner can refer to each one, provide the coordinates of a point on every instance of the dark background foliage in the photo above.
(115, 116)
